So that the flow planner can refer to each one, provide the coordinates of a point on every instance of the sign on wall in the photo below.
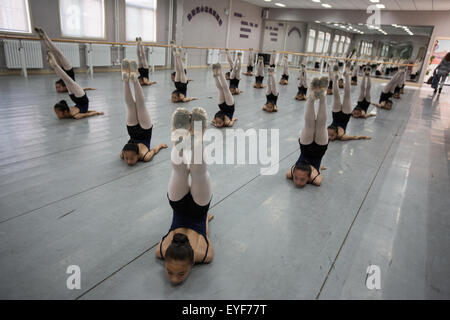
(204, 9)
(246, 26)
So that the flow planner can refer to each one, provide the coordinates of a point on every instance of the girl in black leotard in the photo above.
(302, 84)
(285, 76)
(142, 64)
(180, 79)
(360, 111)
(187, 241)
(272, 92)
(342, 112)
(259, 76)
(313, 138)
(223, 118)
(235, 75)
(250, 63)
(60, 59)
(139, 124)
(76, 93)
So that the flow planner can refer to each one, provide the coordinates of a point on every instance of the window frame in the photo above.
(335, 43)
(319, 50)
(31, 24)
(309, 39)
(156, 24)
(82, 37)
(326, 48)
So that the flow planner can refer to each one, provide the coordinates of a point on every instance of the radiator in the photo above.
(213, 56)
(100, 54)
(71, 51)
(157, 56)
(130, 53)
(32, 49)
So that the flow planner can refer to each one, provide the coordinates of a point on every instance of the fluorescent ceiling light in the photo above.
(380, 6)
(267, 0)
(374, 1)
(326, 5)
(280, 4)
(317, 21)
(315, 0)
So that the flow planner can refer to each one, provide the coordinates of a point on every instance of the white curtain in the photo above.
(15, 16)
(141, 20)
(82, 18)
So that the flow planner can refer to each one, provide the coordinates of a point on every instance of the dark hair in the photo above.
(174, 73)
(303, 165)
(131, 146)
(332, 126)
(180, 249)
(60, 82)
(447, 57)
(228, 73)
(62, 106)
(220, 115)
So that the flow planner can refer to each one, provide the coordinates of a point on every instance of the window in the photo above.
(15, 16)
(341, 45)
(327, 42)
(385, 50)
(347, 44)
(312, 36)
(366, 48)
(335, 42)
(82, 18)
(141, 20)
(320, 41)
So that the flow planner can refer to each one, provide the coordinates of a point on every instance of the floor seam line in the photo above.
(76, 194)
(145, 251)
(359, 209)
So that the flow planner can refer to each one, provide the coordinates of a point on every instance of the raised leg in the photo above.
(60, 58)
(180, 76)
(179, 179)
(142, 113)
(72, 86)
(347, 103)
(337, 106)
(307, 134)
(200, 181)
(132, 118)
(368, 87)
(362, 88)
(229, 100)
(321, 132)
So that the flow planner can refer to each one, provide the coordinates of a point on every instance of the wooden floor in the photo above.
(66, 198)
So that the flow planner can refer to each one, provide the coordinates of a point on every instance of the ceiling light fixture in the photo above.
(380, 6)
(316, 1)
(326, 5)
(280, 4)
(374, 1)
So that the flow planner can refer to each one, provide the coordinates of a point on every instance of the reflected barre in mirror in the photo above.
(387, 47)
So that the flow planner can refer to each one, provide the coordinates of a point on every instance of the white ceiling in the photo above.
(415, 5)
(389, 29)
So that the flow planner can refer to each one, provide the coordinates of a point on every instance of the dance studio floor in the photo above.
(66, 198)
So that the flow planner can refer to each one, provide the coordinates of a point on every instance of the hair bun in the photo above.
(180, 240)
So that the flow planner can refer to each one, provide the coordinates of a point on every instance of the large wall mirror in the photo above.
(384, 44)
